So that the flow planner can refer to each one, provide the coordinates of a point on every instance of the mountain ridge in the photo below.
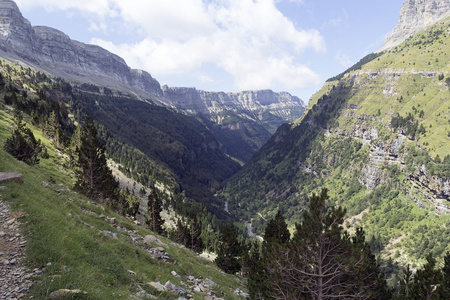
(414, 16)
(50, 50)
(377, 138)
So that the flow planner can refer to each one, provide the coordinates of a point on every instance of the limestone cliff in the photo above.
(264, 107)
(52, 51)
(414, 16)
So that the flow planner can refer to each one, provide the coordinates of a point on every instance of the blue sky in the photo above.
(227, 45)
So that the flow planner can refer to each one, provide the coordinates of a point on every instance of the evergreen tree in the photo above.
(155, 222)
(276, 231)
(94, 178)
(194, 241)
(257, 277)
(322, 262)
(22, 144)
(181, 233)
(446, 276)
(428, 281)
(230, 251)
(406, 282)
(365, 271)
(276, 235)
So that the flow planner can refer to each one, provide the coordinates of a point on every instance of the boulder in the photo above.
(157, 286)
(11, 177)
(65, 293)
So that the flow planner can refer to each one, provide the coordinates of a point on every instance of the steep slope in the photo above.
(414, 16)
(378, 138)
(78, 249)
(242, 122)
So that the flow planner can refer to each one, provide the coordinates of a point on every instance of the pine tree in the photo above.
(446, 276)
(276, 231)
(22, 144)
(181, 233)
(321, 262)
(94, 178)
(406, 282)
(257, 277)
(155, 222)
(194, 241)
(276, 235)
(428, 281)
(230, 251)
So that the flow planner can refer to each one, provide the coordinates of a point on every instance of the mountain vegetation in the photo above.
(352, 199)
(377, 138)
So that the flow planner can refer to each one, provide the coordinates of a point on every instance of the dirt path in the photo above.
(15, 279)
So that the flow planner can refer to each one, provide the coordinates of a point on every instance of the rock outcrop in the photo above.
(257, 106)
(52, 51)
(414, 16)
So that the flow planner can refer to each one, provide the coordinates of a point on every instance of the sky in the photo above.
(227, 45)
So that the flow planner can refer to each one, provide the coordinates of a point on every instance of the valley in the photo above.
(185, 174)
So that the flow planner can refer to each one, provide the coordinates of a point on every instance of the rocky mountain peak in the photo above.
(50, 50)
(414, 16)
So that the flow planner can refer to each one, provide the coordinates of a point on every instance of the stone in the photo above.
(149, 239)
(157, 286)
(11, 177)
(175, 274)
(170, 286)
(65, 293)
(209, 282)
(196, 289)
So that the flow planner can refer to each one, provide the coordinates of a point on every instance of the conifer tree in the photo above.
(194, 241)
(446, 276)
(181, 233)
(22, 144)
(406, 282)
(230, 251)
(321, 262)
(276, 235)
(276, 231)
(257, 277)
(428, 281)
(155, 222)
(94, 178)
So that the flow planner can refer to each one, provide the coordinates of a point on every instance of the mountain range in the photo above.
(50, 50)
(376, 136)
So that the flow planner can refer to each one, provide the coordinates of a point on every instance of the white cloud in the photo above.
(97, 7)
(249, 39)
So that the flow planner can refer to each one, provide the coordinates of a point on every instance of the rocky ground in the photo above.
(15, 279)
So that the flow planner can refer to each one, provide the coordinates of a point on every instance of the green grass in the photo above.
(64, 228)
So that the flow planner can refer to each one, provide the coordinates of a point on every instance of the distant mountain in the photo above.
(242, 121)
(246, 119)
(378, 137)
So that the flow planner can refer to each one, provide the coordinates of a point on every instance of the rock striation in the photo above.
(254, 105)
(414, 16)
(50, 50)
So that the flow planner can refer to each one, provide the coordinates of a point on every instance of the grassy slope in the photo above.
(389, 214)
(64, 228)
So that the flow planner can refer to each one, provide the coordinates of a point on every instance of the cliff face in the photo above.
(255, 106)
(50, 50)
(414, 16)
